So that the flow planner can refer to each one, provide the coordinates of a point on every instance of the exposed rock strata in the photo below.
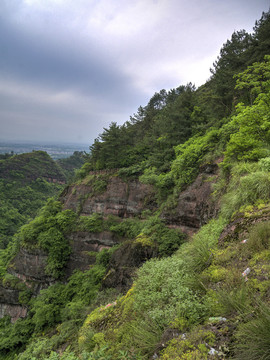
(10, 305)
(82, 243)
(120, 198)
(195, 205)
(29, 266)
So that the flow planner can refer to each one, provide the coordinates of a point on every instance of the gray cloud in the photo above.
(69, 68)
(58, 66)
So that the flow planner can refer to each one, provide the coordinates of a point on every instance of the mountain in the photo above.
(26, 181)
(159, 248)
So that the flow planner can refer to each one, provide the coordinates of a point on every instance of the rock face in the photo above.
(194, 205)
(29, 266)
(14, 311)
(84, 242)
(123, 199)
(10, 305)
(123, 262)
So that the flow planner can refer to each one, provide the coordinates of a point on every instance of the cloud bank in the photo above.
(69, 68)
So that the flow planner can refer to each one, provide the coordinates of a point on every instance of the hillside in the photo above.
(26, 182)
(160, 247)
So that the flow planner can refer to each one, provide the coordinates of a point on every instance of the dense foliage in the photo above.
(70, 164)
(26, 181)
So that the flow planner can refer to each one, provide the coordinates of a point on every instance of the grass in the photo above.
(253, 337)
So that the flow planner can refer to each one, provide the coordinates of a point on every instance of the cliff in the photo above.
(122, 200)
(119, 198)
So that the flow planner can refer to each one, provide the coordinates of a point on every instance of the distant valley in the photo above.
(56, 151)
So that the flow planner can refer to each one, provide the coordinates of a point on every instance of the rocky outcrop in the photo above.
(29, 266)
(123, 199)
(124, 262)
(82, 243)
(195, 205)
(10, 305)
(238, 228)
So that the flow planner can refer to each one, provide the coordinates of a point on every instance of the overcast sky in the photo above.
(68, 68)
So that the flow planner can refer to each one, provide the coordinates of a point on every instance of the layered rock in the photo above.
(10, 304)
(195, 205)
(123, 199)
(29, 266)
(82, 243)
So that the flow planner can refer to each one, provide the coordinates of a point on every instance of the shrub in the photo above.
(190, 155)
(264, 164)
(128, 228)
(191, 348)
(93, 223)
(47, 231)
(168, 240)
(166, 296)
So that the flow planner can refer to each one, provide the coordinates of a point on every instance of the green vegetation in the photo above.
(26, 181)
(72, 163)
(205, 298)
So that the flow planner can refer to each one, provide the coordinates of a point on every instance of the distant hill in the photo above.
(26, 181)
(31, 166)
(70, 164)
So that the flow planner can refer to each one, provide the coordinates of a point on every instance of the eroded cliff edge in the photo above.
(108, 195)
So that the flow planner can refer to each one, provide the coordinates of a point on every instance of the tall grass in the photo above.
(246, 190)
(253, 337)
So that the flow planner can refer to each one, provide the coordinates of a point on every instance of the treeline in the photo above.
(171, 117)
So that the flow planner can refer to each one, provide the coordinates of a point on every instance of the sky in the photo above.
(68, 68)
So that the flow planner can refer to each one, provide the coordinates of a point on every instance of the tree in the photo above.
(251, 141)
(232, 59)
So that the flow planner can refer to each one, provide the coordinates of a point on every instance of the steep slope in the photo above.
(31, 166)
(26, 181)
(112, 275)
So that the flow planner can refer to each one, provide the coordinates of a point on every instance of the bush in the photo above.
(58, 249)
(128, 228)
(93, 223)
(166, 296)
(191, 348)
(264, 164)
(190, 155)
(168, 240)
(47, 231)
